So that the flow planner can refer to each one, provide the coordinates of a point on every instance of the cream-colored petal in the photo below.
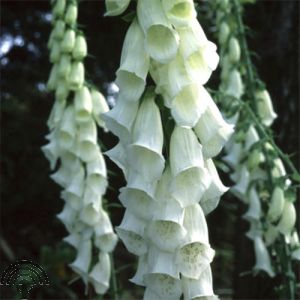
(99, 107)
(276, 205)
(76, 77)
(115, 7)
(265, 108)
(142, 269)
(83, 105)
(254, 211)
(288, 218)
(80, 48)
(240, 188)
(118, 155)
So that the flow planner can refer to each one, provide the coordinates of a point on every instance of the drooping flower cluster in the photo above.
(74, 154)
(171, 179)
(269, 214)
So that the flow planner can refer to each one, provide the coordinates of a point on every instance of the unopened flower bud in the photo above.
(68, 41)
(59, 29)
(277, 204)
(288, 218)
(64, 66)
(265, 108)
(71, 14)
(234, 50)
(223, 33)
(76, 78)
(80, 48)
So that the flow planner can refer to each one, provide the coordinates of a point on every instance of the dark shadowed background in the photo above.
(30, 200)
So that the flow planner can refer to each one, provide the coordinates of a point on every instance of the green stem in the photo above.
(114, 282)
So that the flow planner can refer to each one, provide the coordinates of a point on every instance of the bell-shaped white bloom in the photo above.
(59, 8)
(165, 286)
(99, 107)
(254, 230)
(53, 78)
(191, 179)
(55, 52)
(265, 108)
(198, 53)
(180, 12)
(67, 129)
(62, 91)
(120, 119)
(254, 211)
(195, 254)
(234, 155)
(234, 50)
(59, 29)
(198, 288)
(67, 216)
(100, 274)
(80, 48)
(68, 42)
(62, 176)
(97, 166)
(52, 152)
(252, 137)
(90, 214)
(131, 232)
(142, 269)
(288, 218)
(73, 239)
(263, 261)
(118, 155)
(76, 77)
(83, 259)
(189, 105)
(74, 201)
(216, 189)
(212, 130)
(240, 188)
(161, 39)
(83, 105)
(115, 7)
(97, 182)
(223, 32)
(56, 114)
(76, 185)
(276, 205)
(64, 66)
(235, 86)
(151, 295)
(134, 66)
(137, 202)
(71, 14)
(87, 136)
(145, 153)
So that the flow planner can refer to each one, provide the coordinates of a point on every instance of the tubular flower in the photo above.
(247, 155)
(171, 178)
(75, 157)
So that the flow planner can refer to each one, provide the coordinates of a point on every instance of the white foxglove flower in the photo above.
(263, 261)
(191, 179)
(118, 155)
(100, 274)
(198, 288)
(254, 230)
(83, 105)
(145, 153)
(56, 114)
(90, 214)
(180, 12)
(67, 130)
(137, 202)
(71, 14)
(115, 7)
(288, 218)
(55, 52)
(271, 234)
(195, 255)
(76, 185)
(254, 211)
(99, 107)
(64, 66)
(52, 152)
(120, 119)
(252, 137)
(80, 48)
(59, 8)
(68, 42)
(265, 108)
(67, 216)
(142, 269)
(235, 86)
(216, 189)
(241, 186)
(53, 78)
(161, 39)
(59, 29)
(212, 130)
(131, 232)
(276, 205)
(76, 77)
(83, 260)
(87, 137)
(72, 199)
(223, 32)
(234, 155)
(134, 66)
(62, 91)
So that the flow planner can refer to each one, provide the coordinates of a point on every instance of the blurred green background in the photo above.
(30, 200)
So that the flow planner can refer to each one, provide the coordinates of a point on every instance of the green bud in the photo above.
(255, 158)
(55, 52)
(59, 8)
(71, 14)
(59, 29)
(62, 91)
(76, 78)
(52, 81)
(64, 66)
(68, 41)
(234, 50)
(80, 48)
(51, 40)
